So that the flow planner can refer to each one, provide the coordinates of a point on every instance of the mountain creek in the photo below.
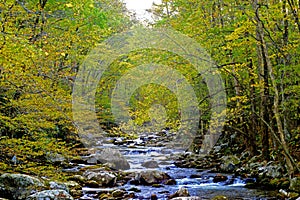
(148, 154)
(143, 168)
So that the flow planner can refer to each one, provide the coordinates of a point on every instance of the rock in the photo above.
(219, 197)
(229, 163)
(153, 197)
(92, 159)
(55, 158)
(18, 186)
(104, 196)
(170, 182)
(272, 170)
(134, 189)
(276, 183)
(51, 195)
(102, 178)
(157, 185)
(78, 178)
(75, 190)
(150, 177)
(72, 185)
(295, 184)
(195, 176)
(284, 193)
(130, 195)
(114, 157)
(219, 178)
(58, 186)
(294, 195)
(92, 184)
(118, 193)
(187, 198)
(150, 164)
(217, 149)
(246, 155)
(182, 192)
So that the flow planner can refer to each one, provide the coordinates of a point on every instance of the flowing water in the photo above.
(198, 183)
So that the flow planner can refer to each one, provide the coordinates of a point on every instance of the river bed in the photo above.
(198, 182)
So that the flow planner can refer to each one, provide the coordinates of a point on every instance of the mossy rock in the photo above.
(157, 185)
(220, 197)
(285, 183)
(275, 183)
(19, 186)
(293, 195)
(104, 196)
(295, 184)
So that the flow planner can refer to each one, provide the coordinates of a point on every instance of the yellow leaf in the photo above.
(63, 54)
(69, 5)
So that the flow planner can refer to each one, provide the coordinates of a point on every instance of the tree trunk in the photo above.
(261, 38)
(264, 94)
(252, 130)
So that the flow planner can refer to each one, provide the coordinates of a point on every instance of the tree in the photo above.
(255, 46)
(42, 45)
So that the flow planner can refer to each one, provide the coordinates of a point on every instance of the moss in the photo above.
(32, 157)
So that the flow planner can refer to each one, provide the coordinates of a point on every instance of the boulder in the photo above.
(118, 193)
(182, 192)
(150, 177)
(18, 186)
(73, 188)
(150, 164)
(263, 169)
(171, 182)
(295, 184)
(219, 178)
(102, 178)
(51, 195)
(114, 157)
(229, 163)
(58, 186)
(272, 170)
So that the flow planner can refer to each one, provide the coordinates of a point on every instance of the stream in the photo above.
(198, 182)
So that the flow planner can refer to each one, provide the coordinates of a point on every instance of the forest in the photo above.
(254, 45)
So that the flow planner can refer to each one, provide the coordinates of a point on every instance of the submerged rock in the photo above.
(153, 197)
(150, 164)
(18, 186)
(219, 178)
